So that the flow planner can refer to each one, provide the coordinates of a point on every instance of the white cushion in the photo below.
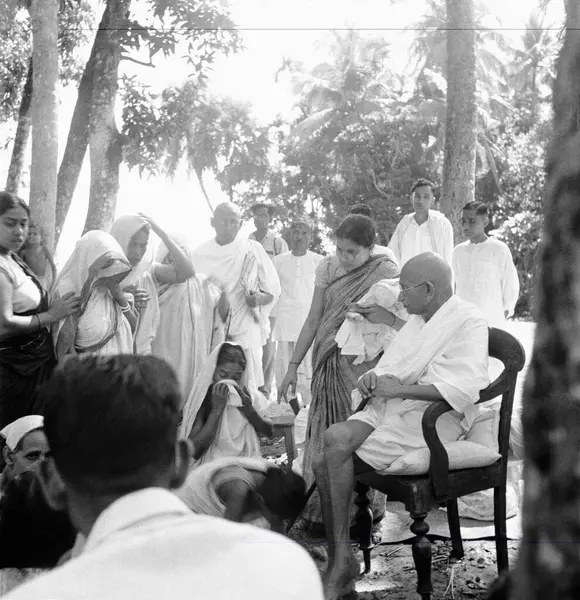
(485, 428)
(462, 454)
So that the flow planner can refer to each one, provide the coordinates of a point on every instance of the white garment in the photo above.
(450, 351)
(378, 249)
(411, 239)
(17, 430)
(297, 275)
(149, 546)
(273, 245)
(97, 255)
(25, 293)
(123, 230)
(189, 326)
(200, 489)
(485, 274)
(364, 339)
(235, 267)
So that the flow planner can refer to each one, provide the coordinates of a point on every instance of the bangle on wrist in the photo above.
(394, 319)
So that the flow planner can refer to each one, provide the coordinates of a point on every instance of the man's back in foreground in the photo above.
(111, 425)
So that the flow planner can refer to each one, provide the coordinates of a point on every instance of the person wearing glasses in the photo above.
(440, 354)
(341, 280)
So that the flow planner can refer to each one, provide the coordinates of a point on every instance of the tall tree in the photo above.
(549, 563)
(461, 121)
(44, 14)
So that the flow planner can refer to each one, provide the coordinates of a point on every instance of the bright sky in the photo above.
(271, 29)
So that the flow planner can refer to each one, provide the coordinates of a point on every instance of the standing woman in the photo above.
(192, 314)
(106, 319)
(26, 352)
(340, 281)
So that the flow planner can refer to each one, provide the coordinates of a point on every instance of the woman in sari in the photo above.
(106, 319)
(26, 352)
(192, 315)
(341, 280)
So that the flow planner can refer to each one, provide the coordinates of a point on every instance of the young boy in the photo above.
(485, 273)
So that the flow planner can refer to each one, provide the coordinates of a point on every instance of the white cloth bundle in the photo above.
(366, 340)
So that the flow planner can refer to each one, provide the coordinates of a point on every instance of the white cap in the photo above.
(14, 432)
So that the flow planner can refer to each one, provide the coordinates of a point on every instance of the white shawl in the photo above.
(123, 230)
(235, 267)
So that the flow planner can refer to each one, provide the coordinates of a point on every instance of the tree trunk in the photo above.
(78, 135)
(461, 123)
(21, 138)
(44, 164)
(549, 562)
(105, 143)
(199, 174)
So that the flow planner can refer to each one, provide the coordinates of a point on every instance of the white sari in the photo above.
(123, 230)
(235, 436)
(100, 327)
(189, 323)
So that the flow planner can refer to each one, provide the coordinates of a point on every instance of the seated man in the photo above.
(246, 490)
(111, 425)
(441, 353)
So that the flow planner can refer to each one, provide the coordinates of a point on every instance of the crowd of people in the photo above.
(136, 469)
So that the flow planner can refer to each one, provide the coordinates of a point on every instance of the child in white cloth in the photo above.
(360, 337)
(221, 416)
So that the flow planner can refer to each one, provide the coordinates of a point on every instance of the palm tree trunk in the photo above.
(549, 562)
(105, 142)
(78, 135)
(461, 123)
(44, 165)
(199, 175)
(21, 138)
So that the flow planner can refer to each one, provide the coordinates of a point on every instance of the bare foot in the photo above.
(339, 579)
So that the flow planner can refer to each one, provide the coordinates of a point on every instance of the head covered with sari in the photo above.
(97, 256)
(124, 229)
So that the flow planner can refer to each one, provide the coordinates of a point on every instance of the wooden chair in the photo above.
(440, 486)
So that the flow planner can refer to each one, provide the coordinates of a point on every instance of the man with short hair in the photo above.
(241, 267)
(484, 269)
(297, 272)
(440, 353)
(425, 230)
(274, 246)
(111, 424)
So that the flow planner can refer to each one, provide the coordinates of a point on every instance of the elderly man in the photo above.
(424, 230)
(242, 268)
(274, 246)
(441, 353)
(112, 468)
(297, 272)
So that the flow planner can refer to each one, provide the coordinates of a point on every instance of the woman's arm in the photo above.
(260, 424)
(12, 325)
(204, 433)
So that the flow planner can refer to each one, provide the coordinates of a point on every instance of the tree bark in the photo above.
(549, 562)
(199, 174)
(44, 164)
(105, 142)
(15, 169)
(78, 135)
(461, 122)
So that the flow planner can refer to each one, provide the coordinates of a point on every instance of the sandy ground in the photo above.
(392, 573)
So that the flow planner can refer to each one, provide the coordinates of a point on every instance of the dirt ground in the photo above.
(393, 575)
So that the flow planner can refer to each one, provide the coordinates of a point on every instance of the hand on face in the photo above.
(219, 396)
(140, 295)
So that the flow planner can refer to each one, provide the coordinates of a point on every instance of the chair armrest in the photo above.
(439, 463)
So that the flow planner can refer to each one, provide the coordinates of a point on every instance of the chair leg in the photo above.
(499, 516)
(455, 529)
(364, 522)
(422, 555)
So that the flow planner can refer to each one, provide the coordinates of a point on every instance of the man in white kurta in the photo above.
(142, 541)
(424, 230)
(484, 269)
(297, 272)
(242, 268)
(441, 353)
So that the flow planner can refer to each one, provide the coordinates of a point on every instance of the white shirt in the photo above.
(149, 546)
(272, 244)
(485, 274)
(297, 275)
(411, 239)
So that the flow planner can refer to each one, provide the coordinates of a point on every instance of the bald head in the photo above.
(226, 222)
(427, 283)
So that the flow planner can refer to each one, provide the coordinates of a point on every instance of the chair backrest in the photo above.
(506, 348)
